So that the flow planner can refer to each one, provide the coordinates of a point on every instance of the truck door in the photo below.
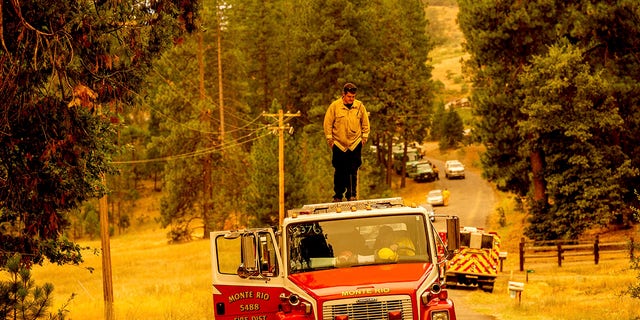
(247, 274)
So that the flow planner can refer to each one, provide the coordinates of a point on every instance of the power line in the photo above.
(172, 85)
(193, 154)
(221, 147)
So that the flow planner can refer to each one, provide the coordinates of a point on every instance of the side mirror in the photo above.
(453, 236)
(258, 253)
(249, 266)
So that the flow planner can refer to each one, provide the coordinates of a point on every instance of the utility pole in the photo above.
(281, 127)
(205, 117)
(107, 284)
(220, 91)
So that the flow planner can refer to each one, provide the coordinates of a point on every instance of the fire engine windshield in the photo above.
(357, 241)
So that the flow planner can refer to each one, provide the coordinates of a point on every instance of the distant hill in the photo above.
(447, 55)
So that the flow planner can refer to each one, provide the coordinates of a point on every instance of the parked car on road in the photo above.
(453, 169)
(421, 171)
(435, 197)
(412, 155)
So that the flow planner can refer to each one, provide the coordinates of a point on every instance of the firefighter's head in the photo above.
(385, 237)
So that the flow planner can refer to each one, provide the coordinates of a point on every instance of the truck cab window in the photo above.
(348, 243)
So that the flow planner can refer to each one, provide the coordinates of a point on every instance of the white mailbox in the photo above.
(515, 288)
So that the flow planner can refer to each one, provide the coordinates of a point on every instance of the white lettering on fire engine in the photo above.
(358, 292)
(240, 295)
(262, 295)
(252, 318)
(248, 295)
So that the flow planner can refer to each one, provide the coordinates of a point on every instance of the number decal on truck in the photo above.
(249, 307)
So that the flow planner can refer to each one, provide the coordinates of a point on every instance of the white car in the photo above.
(453, 169)
(435, 198)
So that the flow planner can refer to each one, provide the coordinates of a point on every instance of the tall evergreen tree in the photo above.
(262, 194)
(570, 111)
(179, 138)
(450, 129)
(503, 38)
(329, 53)
(258, 31)
(69, 68)
(401, 79)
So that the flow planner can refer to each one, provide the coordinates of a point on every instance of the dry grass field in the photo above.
(578, 290)
(151, 279)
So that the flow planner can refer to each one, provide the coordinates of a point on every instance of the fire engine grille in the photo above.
(370, 308)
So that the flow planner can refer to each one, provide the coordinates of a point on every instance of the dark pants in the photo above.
(345, 177)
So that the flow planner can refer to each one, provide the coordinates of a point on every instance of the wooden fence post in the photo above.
(522, 254)
(596, 249)
(559, 254)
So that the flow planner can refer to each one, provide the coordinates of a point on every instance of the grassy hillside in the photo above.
(447, 56)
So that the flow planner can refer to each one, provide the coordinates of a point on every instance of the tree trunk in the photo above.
(537, 168)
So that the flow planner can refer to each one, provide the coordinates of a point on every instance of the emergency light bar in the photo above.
(346, 206)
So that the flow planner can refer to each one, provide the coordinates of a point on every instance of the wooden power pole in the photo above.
(107, 284)
(281, 127)
(205, 118)
(220, 91)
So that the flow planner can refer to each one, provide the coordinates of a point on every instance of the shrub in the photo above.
(21, 299)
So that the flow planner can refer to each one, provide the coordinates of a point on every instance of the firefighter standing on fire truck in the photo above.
(346, 128)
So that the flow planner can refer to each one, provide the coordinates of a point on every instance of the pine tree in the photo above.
(21, 298)
(69, 68)
(450, 129)
(506, 39)
(401, 80)
(569, 110)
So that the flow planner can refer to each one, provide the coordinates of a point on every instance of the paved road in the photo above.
(472, 200)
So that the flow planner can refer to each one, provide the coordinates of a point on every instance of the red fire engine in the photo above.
(358, 260)
(476, 262)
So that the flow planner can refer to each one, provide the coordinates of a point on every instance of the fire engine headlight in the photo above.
(435, 292)
(440, 315)
(293, 303)
(294, 300)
